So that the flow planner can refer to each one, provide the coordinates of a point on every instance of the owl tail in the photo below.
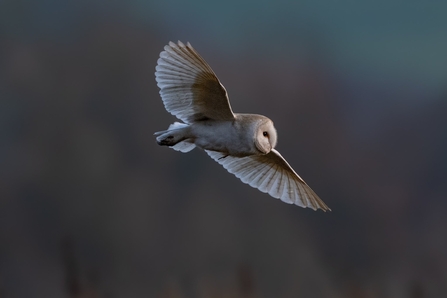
(174, 138)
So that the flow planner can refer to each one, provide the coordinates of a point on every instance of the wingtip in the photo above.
(325, 208)
(179, 44)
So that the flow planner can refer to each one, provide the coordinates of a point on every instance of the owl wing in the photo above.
(189, 88)
(271, 174)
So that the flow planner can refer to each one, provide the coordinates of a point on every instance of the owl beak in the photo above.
(269, 150)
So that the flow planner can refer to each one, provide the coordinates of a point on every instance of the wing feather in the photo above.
(189, 88)
(254, 177)
(273, 175)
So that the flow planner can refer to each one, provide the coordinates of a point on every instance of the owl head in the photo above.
(265, 135)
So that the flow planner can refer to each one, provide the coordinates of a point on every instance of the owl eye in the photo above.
(265, 134)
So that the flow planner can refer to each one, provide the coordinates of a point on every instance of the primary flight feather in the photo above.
(242, 143)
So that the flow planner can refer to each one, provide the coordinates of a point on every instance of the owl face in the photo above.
(265, 136)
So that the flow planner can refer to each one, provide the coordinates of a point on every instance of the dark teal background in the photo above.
(90, 205)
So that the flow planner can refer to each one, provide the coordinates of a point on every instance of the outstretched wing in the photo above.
(188, 86)
(271, 174)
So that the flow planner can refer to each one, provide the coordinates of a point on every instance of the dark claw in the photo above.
(166, 141)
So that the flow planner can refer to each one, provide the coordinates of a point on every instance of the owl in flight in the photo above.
(244, 144)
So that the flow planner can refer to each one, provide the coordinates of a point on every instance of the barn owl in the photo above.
(244, 144)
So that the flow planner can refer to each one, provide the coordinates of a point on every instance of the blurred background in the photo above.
(90, 206)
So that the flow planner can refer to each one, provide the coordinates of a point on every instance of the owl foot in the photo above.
(166, 141)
